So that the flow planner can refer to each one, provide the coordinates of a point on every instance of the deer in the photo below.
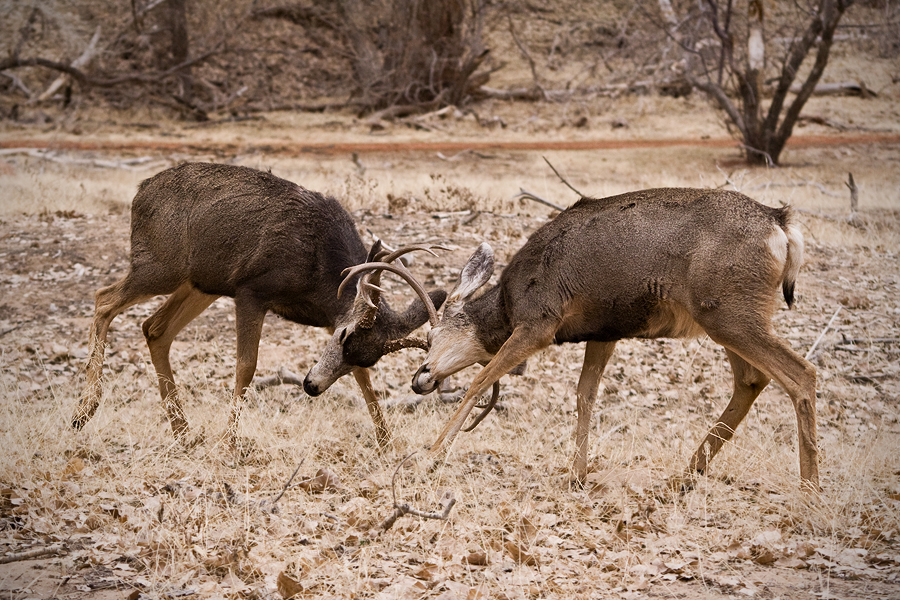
(200, 231)
(674, 263)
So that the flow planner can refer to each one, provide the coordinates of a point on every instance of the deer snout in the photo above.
(311, 389)
(423, 382)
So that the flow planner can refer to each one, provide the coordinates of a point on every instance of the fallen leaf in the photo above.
(791, 562)
(288, 587)
(324, 480)
(519, 555)
(477, 558)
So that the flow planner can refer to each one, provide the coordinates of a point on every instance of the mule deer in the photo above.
(649, 264)
(201, 231)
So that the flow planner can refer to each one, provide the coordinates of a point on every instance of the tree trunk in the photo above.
(177, 17)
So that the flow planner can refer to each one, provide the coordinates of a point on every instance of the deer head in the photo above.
(371, 329)
(455, 342)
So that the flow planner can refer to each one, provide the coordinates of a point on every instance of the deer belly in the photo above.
(642, 318)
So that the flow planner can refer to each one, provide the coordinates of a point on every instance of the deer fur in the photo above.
(200, 231)
(648, 264)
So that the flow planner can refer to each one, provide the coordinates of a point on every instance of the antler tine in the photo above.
(402, 272)
(391, 257)
(495, 393)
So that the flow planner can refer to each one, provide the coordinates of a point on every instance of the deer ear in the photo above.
(376, 248)
(475, 274)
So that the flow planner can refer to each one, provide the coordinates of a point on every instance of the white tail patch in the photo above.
(778, 246)
(794, 253)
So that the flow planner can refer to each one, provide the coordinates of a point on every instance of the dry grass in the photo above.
(134, 511)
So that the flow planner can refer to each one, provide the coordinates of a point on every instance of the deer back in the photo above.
(225, 228)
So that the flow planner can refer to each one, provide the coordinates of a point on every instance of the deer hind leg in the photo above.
(160, 330)
(524, 341)
(382, 433)
(109, 302)
(249, 317)
(773, 357)
(596, 355)
(749, 382)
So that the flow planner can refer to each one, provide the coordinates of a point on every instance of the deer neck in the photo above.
(488, 315)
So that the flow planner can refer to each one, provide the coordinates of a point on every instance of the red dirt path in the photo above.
(446, 146)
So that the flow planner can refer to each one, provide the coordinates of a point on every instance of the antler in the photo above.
(409, 342)
(371, 292)
(402, 272)
(495, 393)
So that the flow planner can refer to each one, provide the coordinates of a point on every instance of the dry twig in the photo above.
(28, 555)
(824, 331)
(406, 509)
(563, 179)
(526, 195)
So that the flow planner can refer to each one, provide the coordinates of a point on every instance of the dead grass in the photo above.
(134, 512)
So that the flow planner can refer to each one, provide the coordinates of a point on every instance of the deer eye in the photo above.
(343, 337)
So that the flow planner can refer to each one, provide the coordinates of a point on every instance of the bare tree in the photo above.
(405, 55)
(727, 56)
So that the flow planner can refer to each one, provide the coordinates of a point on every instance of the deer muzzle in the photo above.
(423, 382)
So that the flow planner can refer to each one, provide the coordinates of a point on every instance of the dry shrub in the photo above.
(413, 52)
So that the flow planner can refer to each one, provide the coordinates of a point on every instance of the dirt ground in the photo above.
(120, 510)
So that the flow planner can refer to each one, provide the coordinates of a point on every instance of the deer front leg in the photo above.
(523, 342)
(382, 433)
(249, 317)
(596, 355)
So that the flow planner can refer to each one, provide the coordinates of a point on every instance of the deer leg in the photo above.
(523, 342)
(160, 330)
(249, 318)
(596, 355)
(109, 302)
(796, 375)
(749, 382)
(382, 433)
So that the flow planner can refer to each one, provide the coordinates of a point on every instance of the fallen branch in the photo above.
(854, 341)
(844, 88)
(406, 509)
(87, 80)
(11, 329)
(78, 63)
(37, 553)
(129, 164)
(281, 377)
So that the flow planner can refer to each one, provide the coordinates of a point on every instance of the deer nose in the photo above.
(310, 388)
(422, 382)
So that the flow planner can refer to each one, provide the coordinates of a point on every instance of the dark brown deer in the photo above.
(656, 263)
(201, 231)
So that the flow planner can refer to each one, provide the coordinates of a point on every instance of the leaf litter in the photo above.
(122, 507)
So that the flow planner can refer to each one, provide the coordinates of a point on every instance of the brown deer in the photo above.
(201, 231)
(649, 264)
